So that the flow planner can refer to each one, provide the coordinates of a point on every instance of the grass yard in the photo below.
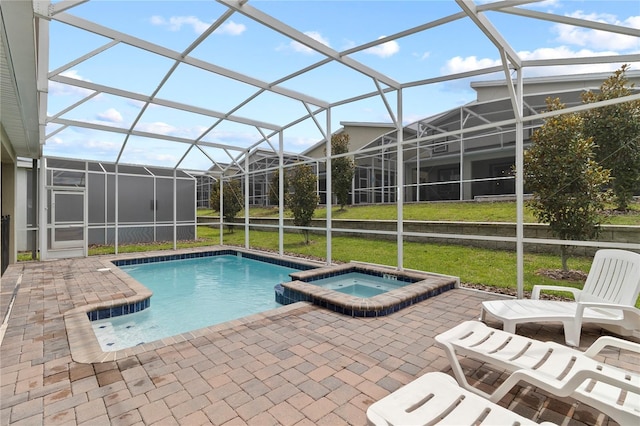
(440, 211)
(473, 265)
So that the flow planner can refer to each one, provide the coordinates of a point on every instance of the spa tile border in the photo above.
(422, 286)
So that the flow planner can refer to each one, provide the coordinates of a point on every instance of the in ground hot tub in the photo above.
(360, 283)
(361, 289)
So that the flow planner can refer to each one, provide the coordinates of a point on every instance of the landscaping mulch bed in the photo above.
(555, 274)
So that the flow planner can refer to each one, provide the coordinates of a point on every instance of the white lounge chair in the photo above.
(436, 398)
(608, 297)
(555, 368)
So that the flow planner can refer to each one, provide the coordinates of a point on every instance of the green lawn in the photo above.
(439, 211)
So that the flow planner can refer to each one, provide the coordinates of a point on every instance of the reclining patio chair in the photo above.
(436, 398)
(560, 370)
(608, 297)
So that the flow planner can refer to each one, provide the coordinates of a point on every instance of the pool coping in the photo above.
(83, 343)
(426, 285)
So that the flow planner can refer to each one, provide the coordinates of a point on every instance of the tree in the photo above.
(303, 197)
(615, 129)
(566, 181)
(233, 200)
(342, 169)
(274, 188)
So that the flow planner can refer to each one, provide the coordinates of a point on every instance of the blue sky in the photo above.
(242, 45)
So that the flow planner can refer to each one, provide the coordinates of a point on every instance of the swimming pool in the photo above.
(193, 293)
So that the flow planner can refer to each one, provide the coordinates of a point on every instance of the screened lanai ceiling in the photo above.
(196, 84)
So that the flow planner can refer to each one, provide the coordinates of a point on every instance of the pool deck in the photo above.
(296, 365)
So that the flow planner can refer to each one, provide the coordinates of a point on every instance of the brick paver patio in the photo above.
(299, 365)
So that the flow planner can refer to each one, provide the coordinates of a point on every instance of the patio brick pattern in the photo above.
(298, 365)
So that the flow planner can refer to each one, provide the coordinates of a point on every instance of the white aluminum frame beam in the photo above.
(176, 56)
(105, 128)
(490, 31)
(293, 34)
(161, 102)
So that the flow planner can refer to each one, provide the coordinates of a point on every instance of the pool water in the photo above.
(360, 285)
(191, 294)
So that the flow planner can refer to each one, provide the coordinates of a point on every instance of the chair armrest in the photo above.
(614, 342)
(605, 305)
(559, 388)
(535, 293)
(604, 341)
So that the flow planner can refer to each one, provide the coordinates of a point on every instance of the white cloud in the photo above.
(82, 145)
(422, 56)
(138, 104)
(168, 159)
(595, 39)
(102, 145)
(384, 50)
(239, 138)
(148, 157)
(175, 23)
(156, 127)
(567, 52)
(560, 52)
(163, 128)
(231, 28)
(111, 115)
(301, 48)
(72, 73)
(459, 64)
(56, 88)
(299, 141)
(56, 140)
(157, 20)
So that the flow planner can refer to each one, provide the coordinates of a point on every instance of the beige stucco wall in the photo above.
(359, 136)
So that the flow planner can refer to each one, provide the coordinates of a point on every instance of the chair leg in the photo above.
(572, 333)
(458, 373)
(509, 326)
(506, 325)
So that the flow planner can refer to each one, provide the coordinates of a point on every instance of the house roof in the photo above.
(18, 76)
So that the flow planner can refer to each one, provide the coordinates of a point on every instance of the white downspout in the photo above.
(246, 200)
(221, 209)
(44, 218)
(519, 187)
(329, 196)
(281, 196)
(400, 184)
